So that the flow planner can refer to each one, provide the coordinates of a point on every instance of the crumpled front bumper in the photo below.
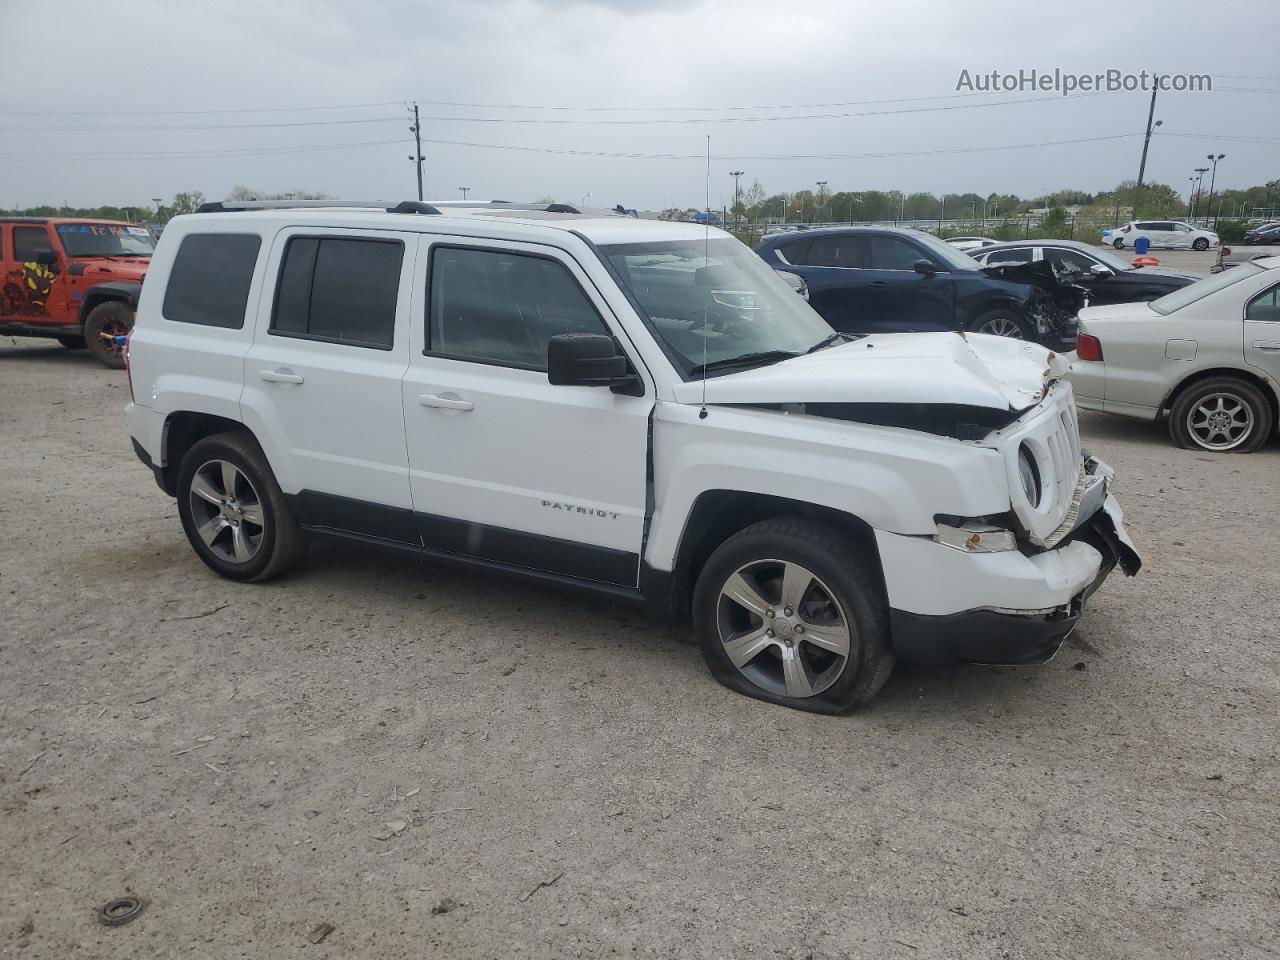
(1001, 607)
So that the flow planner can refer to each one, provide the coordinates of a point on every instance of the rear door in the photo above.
(506, 467)
(839, 289)
(1262, 332)
(322, 378)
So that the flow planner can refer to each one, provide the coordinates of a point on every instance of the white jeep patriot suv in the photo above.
(639, 408)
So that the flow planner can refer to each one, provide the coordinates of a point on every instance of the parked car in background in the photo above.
(1161, 233)
(1107, 278)
(1208, 355)
(893, 280)
(75, 281)
(967, 244)
(706, 217)
(636, 408)
(1265, 236)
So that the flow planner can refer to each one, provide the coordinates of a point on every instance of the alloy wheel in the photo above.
(783, 628)
(227, 511)
(1220, 421)
(1002, 327)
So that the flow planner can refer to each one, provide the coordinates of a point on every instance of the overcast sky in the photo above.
(88, 88)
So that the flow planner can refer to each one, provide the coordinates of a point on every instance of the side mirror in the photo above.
(586, 360)
(926, 267)
(1098, 270)
(46, 258)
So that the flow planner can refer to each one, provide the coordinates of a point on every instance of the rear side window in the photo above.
(210, 278)
(1014, 255)
(339, 290)
(29, 241)
(503, 308)
(835, 252)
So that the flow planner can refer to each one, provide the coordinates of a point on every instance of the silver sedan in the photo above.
(1208, 355)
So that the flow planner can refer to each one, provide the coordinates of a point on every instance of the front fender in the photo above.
(122, 291)
(892, 479)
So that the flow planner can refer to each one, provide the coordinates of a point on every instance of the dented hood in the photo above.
(946, 368)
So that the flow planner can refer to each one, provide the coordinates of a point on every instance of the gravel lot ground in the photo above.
(563, 779)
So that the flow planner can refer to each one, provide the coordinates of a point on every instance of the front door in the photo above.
(902, 300)
(504, 466)
(322, 378)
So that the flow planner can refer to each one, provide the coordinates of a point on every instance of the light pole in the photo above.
(1212, 177)
(1191, 198)
(822, 189)
(464, 192)
(1271, 185)
(416, 129)
(1200, 172)
(157, 201)
(735, 174)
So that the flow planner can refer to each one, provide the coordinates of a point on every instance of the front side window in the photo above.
(717, 300)
(210, 278)
(503, 307)
(339, 290)
(1069, 261)
(28, 242)
(892, 253)
(105, 240)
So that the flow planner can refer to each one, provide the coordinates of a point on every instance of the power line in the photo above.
(175, 113)
(206, 154)
(560, 122)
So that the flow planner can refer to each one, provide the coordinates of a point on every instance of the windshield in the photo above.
(716, 299)
(1185, 296)
(105, 240)
(946, 255)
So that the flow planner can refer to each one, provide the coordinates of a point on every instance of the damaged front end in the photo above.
(1055, 301)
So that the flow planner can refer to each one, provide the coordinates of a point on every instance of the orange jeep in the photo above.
(74, 280)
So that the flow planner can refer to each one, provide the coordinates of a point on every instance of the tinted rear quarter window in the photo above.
(210, 278)
(29, 241)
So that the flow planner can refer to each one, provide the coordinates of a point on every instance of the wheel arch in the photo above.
(717, 515)
(181, 431)
(1269, 388)
(98, 294)
(990, 304)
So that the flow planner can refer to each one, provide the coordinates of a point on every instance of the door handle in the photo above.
(443, 402)
(1268, 345)
(283, 375)
(877, 283)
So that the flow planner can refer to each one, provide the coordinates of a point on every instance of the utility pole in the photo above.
(735, 174)
(1212, 177)
(1146, 142)
(417, 157)
(464, 192)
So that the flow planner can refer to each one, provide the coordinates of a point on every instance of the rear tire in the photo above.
(233, 511)
(1221, 415)
(828, 651)
(72, 343)
(105, 322)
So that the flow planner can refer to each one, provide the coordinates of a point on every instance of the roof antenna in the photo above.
(706, 256)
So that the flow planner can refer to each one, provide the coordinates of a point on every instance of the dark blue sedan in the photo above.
(889, 280)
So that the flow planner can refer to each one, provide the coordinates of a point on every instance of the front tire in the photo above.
(1200, 243)
(788, 612)
(233, 511)
(105, 322)
(1001, 323)
(1118, 244)
(1221, 415)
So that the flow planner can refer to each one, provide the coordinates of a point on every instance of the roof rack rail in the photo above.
(509, 205)
(228, 206)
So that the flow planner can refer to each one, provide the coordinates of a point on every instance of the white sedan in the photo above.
(1207, 354)
(969, 244)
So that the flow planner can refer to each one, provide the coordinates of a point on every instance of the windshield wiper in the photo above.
(743, 360)
(830, 341)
